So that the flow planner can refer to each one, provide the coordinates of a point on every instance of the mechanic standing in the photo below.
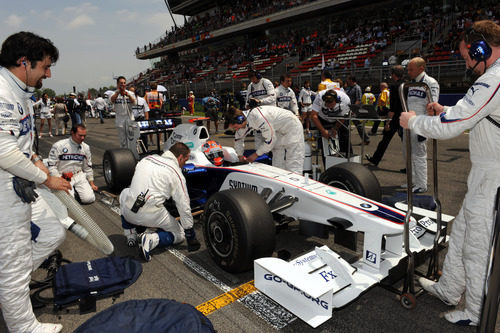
(465, 265)
(417, 101)
(156, 180)
(285, 96)
(122, 101)
(26, 60)
(71, 159)
(281, 130)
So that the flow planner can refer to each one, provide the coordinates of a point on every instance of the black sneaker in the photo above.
(371, 160)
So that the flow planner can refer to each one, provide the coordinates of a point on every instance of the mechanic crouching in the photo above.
(71, 159)
(281, 130)
(156, 180)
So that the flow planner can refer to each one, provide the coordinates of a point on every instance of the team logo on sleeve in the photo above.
(65, 150)
(20, 109)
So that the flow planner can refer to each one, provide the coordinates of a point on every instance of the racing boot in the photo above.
(148, 242)
(48, 328)
(433, 288)
(131, 235)
(461, 318)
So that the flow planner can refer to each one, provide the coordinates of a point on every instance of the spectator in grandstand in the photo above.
(327, 107)
(392, 126)
(45, 113)
(241, 96)
(155, 102)
(383, 106)
(281, 130)
(354, 92)
(465, 266)
(190, 102)
(326, 81)
(122, 101)
(417, 101)
(285, 97)
(305, 102)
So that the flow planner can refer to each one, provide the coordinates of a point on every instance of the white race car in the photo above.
(239, 201)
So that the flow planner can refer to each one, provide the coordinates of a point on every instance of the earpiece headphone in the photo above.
(252, 72)
(479, 50)
(239, 119)
(24, 63)
(329, 96)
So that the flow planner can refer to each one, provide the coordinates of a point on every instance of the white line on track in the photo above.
(264, 307)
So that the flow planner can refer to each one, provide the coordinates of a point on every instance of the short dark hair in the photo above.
(283, 77)
(179, 148)
(230, 116)
(326, 74)
(352, 78)
(75, 128)
(398, 70)
(29, 45)
(120, 77)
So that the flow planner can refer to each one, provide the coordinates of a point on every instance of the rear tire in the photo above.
(118, 166)
(238, 228)
(353, 177)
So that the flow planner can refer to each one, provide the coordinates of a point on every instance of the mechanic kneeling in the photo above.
(156, 180)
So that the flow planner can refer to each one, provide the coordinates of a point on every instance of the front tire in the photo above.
(238, 228)
(353, 177)
(118, 166)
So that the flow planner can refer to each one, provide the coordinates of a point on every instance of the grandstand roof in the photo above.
(190, 7)
(303, 12)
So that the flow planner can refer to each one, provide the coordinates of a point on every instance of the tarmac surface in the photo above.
(193, 278)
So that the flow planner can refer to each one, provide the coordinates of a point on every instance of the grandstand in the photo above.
(221, 40)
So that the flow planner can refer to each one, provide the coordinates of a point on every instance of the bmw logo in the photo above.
(365, 205)
(65, 150)
(20, 108)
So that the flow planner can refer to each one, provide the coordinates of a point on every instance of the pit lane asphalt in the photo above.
(377, 310)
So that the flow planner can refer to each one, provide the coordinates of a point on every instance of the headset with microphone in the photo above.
(330, 96)
(479, 50)
(240, 119)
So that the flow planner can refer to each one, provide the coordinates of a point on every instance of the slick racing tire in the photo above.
(118, 166)
(353, 177)
(238, 228)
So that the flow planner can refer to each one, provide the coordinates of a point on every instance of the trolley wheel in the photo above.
(408, 301)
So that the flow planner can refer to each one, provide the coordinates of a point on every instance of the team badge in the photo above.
(65, 150)
(20, 109)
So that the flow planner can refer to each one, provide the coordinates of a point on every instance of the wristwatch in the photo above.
(37, 158)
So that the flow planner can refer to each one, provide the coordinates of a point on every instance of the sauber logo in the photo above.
(277, 279)
(237, 184)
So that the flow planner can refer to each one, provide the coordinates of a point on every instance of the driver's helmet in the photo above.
(213, 151)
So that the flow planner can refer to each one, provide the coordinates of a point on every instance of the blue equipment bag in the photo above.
(148, 315)
(87, 281)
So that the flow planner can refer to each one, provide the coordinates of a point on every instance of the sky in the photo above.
(96, 39)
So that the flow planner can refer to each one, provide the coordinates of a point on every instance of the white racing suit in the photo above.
(18, 254)
(417, 101)
(282, 133)
(68, 156)
(123, 111)
(159, 178)
(467, 259)
(285, 99)
(265, 93)
(305, 98)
